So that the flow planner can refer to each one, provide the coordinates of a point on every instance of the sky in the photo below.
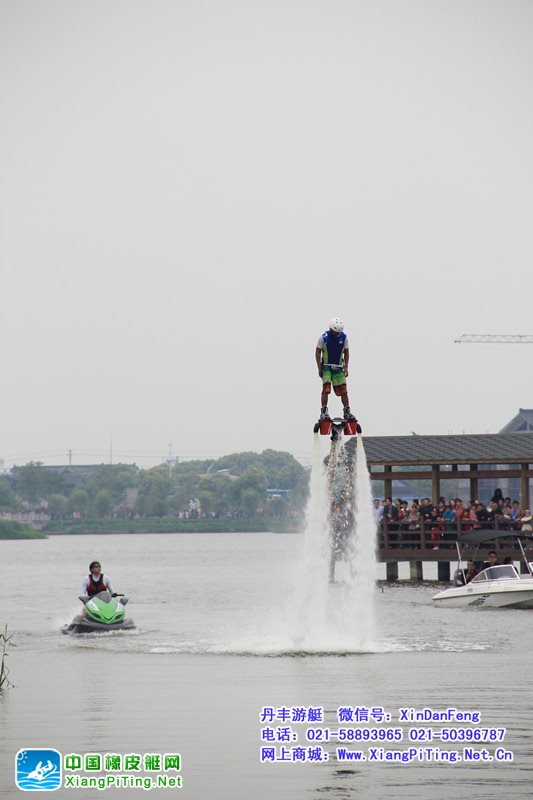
(191, 189)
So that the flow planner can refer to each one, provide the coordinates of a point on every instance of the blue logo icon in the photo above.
(38, 770)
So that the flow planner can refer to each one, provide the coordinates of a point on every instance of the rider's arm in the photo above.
(85, 585)
(346, 357)
(107, 582)
(318, 357)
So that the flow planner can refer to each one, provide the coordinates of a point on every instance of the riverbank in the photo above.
(172, 525)
(9, 529)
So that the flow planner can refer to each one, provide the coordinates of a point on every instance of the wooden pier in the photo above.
(429, 543)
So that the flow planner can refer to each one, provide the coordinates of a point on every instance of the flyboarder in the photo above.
(332, 356)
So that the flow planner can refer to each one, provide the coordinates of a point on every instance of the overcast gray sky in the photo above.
(189, 191)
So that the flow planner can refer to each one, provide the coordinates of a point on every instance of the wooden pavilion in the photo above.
(441, 458)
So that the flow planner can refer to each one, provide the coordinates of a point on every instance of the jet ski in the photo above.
(103, 612)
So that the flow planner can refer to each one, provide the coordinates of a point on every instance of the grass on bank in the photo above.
(173, 525)
(5, 638)
(9, 529)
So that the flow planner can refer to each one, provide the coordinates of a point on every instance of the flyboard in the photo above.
(341, 516)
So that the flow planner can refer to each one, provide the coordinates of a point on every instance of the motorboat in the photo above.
(495, 586)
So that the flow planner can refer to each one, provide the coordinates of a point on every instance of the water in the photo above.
(213, 646)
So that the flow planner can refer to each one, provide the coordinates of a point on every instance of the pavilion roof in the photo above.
(490, 448)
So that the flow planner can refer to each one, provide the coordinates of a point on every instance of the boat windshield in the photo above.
(503, 572)
(104, 596)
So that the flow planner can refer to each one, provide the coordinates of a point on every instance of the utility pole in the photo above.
(170, 460)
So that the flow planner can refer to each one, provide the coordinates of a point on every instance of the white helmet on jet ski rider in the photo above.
(336, 324)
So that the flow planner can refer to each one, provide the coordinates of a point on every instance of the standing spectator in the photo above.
(377, 510)
(425, 509)
(526, 521)
(399, 507)
(492, 512)
(497, 496)
(459, 512)
(413, 524)
(482, 513)
(472, 515)
(436, 524)
(390, 518)
(507, 517)
(413, 517)
(390, 511)
(449, 517)
(441, 507)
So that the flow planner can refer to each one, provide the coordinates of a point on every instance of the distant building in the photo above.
(522, 423)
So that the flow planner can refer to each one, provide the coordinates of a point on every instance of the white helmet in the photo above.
(336, 325)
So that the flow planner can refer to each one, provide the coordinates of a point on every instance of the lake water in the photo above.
(214, 645)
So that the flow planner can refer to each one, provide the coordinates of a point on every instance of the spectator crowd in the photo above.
(449, 516)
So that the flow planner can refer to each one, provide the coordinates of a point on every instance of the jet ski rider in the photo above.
(332, 355)
(95, 581)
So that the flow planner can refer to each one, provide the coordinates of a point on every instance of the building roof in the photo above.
(493, 448)
(521, 423)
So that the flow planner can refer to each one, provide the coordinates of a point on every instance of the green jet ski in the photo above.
(103, 612)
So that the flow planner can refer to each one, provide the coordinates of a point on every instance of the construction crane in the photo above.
(494, 338)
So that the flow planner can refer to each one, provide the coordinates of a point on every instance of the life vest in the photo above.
(332, 350)
(95, 587)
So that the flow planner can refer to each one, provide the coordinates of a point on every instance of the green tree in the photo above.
(220, 487)
(103, 503)
(34, 482)
(27, 481)
(113, 478)
(207, 501)
(155, 488)
(277, 507)
(56, 506)
(253, 477)
(79, 501)
(187, 487)
(250, 500)
(8, 500)
(222, 505)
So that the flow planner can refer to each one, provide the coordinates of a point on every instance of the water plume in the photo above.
(337, 615)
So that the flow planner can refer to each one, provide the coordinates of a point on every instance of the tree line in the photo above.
(240, 484)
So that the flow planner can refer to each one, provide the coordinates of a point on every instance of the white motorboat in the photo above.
(495, 587)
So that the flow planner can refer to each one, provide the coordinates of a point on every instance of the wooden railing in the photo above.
(431, 538)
